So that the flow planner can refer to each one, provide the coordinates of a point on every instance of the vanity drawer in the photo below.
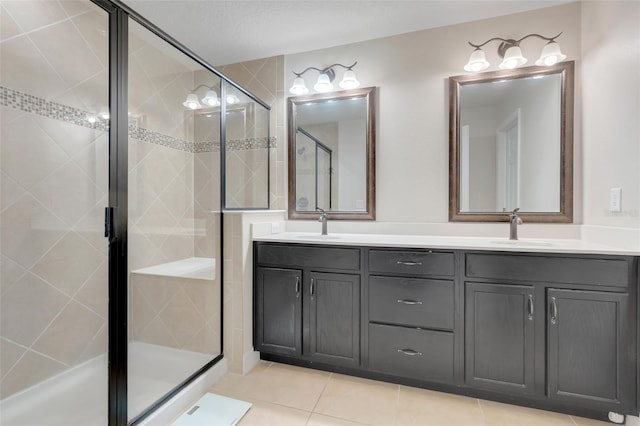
(413, 302)
(410, 352)
(552, 269)
(411, 262)
(312, 257)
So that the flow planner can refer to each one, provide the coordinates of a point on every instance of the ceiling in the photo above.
(229, 31)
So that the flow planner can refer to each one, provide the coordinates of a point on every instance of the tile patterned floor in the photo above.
(284, 395)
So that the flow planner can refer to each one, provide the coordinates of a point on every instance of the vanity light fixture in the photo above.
(325, 79)
(210, 98)
(509, 51)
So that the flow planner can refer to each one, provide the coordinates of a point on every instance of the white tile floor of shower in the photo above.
(285, 395)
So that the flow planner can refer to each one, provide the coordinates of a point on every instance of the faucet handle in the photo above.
(514, 216)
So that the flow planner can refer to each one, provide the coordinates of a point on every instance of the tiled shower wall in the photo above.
(265, 79)
(54, 189)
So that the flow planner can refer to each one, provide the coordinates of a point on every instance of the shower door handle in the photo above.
(108, 223)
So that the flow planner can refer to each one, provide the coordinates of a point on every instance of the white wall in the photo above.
(411, 71)
(611, 111)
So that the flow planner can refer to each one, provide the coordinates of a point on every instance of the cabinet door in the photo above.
(278, 322)
(590, 354)
(334, 320)
(499, 337)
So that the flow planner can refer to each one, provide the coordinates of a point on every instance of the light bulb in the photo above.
(512, 59)
(323, 84)
(349, 80)
(477, 61)
(550, 55)
(299, 87)
(211, 98)
(91, 118)
(104, 113)
(192, 101)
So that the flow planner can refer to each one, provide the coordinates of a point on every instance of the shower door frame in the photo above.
(116, 214)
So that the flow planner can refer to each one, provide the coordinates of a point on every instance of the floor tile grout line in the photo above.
(313, 410)
(484, 418)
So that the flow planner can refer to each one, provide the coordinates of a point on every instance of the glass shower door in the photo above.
(54, 124)
(174, 219)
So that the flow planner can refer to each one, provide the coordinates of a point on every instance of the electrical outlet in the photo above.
(615, 200)
(276, 227)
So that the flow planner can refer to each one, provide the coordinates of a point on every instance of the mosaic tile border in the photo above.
(237, 144)
(32, 104)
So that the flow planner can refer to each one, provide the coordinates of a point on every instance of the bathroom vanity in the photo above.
(551, 327)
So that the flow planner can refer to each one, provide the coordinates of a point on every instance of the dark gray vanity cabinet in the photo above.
(555, 331)
(279, 309)
(411, 313)
(334, 318)
(556, 326)
(307, 303)
(589, 348)
(499, 338)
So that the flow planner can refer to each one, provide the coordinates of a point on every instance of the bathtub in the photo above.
(79, 395)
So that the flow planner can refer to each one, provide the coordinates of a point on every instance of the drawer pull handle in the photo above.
(297, 287)
(409, 352)
(530, 306)
(403, 262)
(410, 302)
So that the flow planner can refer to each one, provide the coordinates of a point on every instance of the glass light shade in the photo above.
(323, 84)
(349, 80)
(550, 55)
(477, 61)
(512, 59)
(232, 99)
(299, 87)
(192, 101)
(211, 98)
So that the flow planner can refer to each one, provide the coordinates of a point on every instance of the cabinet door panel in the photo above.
(586, 347)
(335, 318)
(499, 337)
(278, 311)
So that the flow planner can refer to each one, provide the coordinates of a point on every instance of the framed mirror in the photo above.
(511, 145)
(332, 154)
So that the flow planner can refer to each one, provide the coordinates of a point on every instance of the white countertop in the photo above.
(441, 242)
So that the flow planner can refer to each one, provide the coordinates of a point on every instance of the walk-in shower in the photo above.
(95, 141)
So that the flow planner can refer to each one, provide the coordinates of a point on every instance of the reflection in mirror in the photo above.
(511, 144)
(331, 155)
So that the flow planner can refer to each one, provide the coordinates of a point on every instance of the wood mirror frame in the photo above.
(565, 215)
(369, 93)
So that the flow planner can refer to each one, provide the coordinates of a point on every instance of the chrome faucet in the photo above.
(323, 219)
(514, 221)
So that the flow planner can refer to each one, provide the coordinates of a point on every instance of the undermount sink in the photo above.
(524, 243)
